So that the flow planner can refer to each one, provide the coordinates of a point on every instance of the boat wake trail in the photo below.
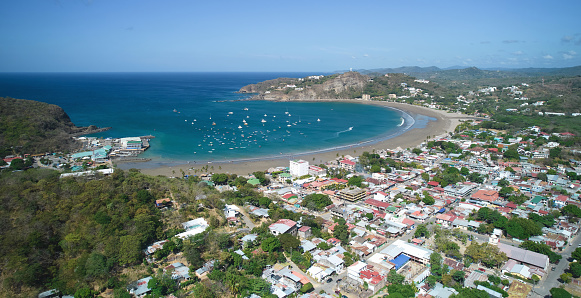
(340, 132)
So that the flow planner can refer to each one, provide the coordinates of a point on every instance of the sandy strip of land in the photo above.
(445, 123)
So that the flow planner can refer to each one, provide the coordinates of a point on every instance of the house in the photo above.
(353, 271)
(231, 211)
(374, 280)
(162, 202)
(258, 212)
(139, 288)
(193, 227)
(250, 238)
(320, 272)
(283, 226)
(178, 271)
(445, 220)
(333, 262)
(305, 232)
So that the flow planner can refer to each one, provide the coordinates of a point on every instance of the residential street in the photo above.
(543, 288)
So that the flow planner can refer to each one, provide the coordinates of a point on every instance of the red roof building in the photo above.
(487, 195)
(434, 183)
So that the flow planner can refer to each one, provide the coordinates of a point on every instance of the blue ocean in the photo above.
(200, 117)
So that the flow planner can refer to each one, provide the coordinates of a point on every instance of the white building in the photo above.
(299, 167)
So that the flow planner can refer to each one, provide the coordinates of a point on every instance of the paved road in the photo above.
(246, 218)
(543, 288)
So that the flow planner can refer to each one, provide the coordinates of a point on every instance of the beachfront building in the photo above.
(347, 165)
(317, 171)
(131, 143)
(299, 167)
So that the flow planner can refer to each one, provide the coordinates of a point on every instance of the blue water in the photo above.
(211, 121)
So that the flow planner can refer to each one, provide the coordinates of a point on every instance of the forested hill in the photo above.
(28, 126)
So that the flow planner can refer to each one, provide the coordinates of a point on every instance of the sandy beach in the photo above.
(444, 123)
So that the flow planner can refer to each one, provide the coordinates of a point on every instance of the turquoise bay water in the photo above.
(199, 117)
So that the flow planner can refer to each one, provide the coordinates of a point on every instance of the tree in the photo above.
(506, 191)
(576, 254)
(560, 293)
(162, 284)
(470, 293)
(436, 265)
(401, 290)
(220, 179)
(575, 269)
(428, 200)
(96, 265)
(394, 278)
(566, 277)
(316, 201)
(355, 181)
(341, 232)
(511, 154)
(264, 202)
(289, 242)
(306, 288)
(503, 182)
(459, 276)
(422, 231)
(270, 244)
(426, 177)
(375, 169)
(464, 171)
(17, 164)
(84, 293)
(129, 249)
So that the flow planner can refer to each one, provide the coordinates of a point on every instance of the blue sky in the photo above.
(191, 35)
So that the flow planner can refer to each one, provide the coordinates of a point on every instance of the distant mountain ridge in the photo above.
(460, 73)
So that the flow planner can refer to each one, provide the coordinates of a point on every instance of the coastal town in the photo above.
(477, 212)
(475, 209)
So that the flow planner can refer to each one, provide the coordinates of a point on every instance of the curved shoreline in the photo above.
(403, 138)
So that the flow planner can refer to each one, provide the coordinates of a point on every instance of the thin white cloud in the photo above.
(567, 38)
(548, 57)
(572, 53)
(365, 55)
(517, 53)
(567, 56)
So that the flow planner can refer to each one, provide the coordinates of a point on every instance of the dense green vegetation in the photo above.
(316, 201)
(28, 126)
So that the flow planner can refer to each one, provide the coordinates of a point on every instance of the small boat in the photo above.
(263, 121)
(175, 111)
(230, 113)
(213, 123)
(318, 120)
(246, 109)
(239, 126)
